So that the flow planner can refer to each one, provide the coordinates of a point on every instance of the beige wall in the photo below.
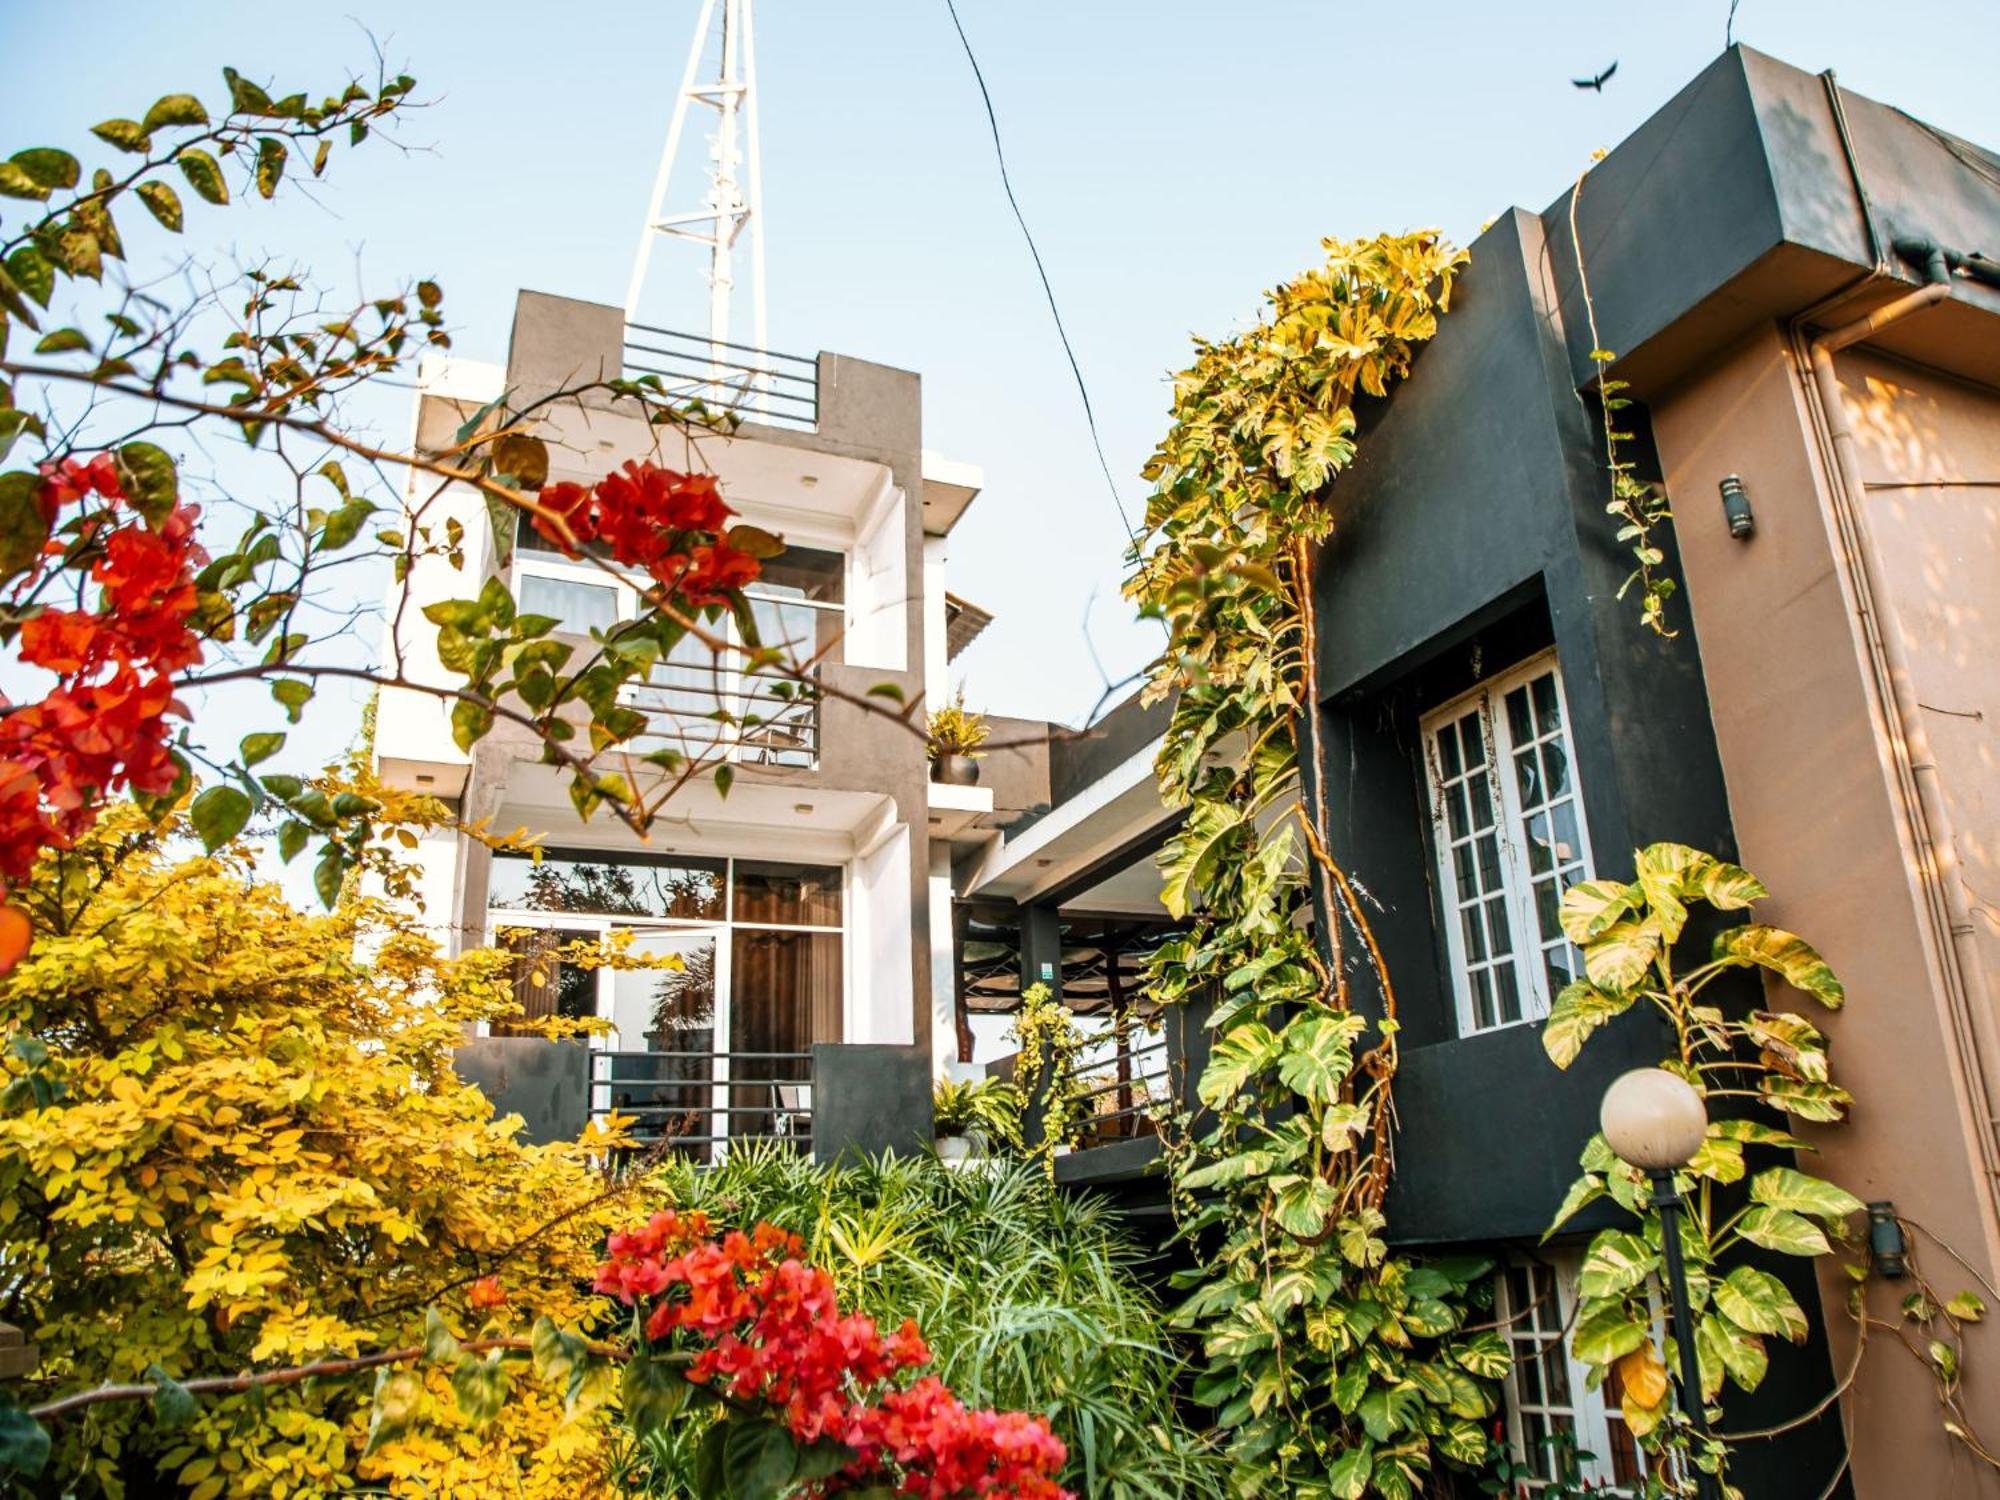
(1815, 802)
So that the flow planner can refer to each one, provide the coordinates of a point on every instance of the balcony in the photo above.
(708, 710)
(698, 1103)
(756, 385)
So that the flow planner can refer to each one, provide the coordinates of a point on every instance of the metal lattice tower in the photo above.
(734, 198)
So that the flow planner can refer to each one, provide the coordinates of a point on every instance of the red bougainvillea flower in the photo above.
(668, 524)
(765, 1328)
(486, 1293)
(17, 935)
(102, 728)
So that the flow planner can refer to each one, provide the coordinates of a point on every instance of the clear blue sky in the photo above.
(1174, 158)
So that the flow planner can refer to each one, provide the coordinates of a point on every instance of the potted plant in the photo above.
(971, 1113)
(955, 737)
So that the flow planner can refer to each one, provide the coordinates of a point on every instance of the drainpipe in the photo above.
(1929, 819)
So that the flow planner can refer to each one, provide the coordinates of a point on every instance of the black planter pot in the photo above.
(955, 770)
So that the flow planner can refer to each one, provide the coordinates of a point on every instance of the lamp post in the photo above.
(1656, 1121)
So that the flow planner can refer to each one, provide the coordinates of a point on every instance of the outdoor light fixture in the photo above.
(1885, 1240)
(1736, 507)
(1656, 1121)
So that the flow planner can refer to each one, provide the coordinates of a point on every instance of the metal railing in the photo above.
(1119, 1094)
(758, 385)
(706, 709)
(697, 1102)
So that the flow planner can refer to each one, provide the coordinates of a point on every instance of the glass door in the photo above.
(667, 1062)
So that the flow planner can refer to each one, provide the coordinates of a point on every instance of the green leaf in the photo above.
(556, 1353)
(33, 273)
(174, 1404)
(470, 723)
(818, 1460)
(260, 746)
(48, 167)
(480, 1384)
(1606, 1331)
(1239, 1056)
(218, 815)
(1579, 1010)
(1966, 1307)
(754, 540)
(1740, 1354)
(653, 1393)
(204, 174)
(23, 528)
(1786, 1188)
(440, 1343)
(1619, 957)
(1301, 1205)
(1781, 1230)
(1757, 1302)
(1785, 954)
(126, 135)
(1484, 1354)
(344, 525)
(399, 1396)
(1587, 1189)
(1590, 906)
(1616, 1262)
(294, 694)
(1823, 1102)
(1348, 1475)
(710, 1470)
(271, 156)
(24, 1443)
(61, 341)
(244, 96)
(759, 1458)
(163, 203)
(151, 482)
(1316, 1055)
(174, 109)
(329, 870)
(17, 183)
(1190, 857)
(1388, 1410)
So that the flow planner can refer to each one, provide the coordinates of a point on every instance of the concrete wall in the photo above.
(1815, 804)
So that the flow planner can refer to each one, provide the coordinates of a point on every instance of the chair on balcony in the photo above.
(791, 1112)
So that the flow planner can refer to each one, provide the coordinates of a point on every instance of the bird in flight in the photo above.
(1599, 81)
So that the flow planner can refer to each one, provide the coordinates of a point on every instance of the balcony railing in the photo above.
(758, 385)
(705, 710)
(696, 1103)
(1119, 1094)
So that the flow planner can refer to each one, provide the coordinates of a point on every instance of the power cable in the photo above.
(993, 124)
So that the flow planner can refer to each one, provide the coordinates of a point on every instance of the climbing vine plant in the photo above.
(1335, 1367)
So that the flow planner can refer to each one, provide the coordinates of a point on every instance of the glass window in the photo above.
(620, 887)
(1510, 841)
(787, 895)
(544, 985)
(803, 573)
(582, 607)
(1566, 1433)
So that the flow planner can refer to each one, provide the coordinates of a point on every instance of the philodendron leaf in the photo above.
(1786, 954)
(1801, 1193)
(1579, 1010)
(1619, 957)
(1757, 1302)
(1593, 905)
(1606, 1332)
(1783, 1231)
(1237, 1057)
(1616, 1262)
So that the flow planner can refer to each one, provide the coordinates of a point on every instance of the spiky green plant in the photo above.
(1030, 1299)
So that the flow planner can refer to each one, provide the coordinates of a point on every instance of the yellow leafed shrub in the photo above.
(231, 1136)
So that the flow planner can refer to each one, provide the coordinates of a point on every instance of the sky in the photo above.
(1173, 160)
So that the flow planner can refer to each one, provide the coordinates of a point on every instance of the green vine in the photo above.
(1047, 1043)
(1639, 507)
(1763, 1061)
(1335, 1367)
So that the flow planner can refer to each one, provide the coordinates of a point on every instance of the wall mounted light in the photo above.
(1885, 1240)
(1736, 507)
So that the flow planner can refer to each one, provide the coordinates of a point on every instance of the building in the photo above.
(800, 904)
(1788, 276)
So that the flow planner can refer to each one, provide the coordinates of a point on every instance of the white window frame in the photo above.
(1529, 948)
(731, 691)
(1590, 1417)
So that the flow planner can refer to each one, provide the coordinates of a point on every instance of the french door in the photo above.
(666, 1060)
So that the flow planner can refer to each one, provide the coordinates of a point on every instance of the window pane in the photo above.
(1496, 927)
(1538, 844)
(1481, 791)
(1548, 910)
(673, 887)
(1482, 1000)
(784, 996)
(1548, 717)
(798, 895)
(1528, 779)
(1472, 740)
(1555, 766)
(1509, 1001)
(582, 607)
(803, 573)
(1448, 761)
(1475, 935)
(1517, 716)
(1568, 845)
(544, 985)
(1454, 807)
(1489, 864)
